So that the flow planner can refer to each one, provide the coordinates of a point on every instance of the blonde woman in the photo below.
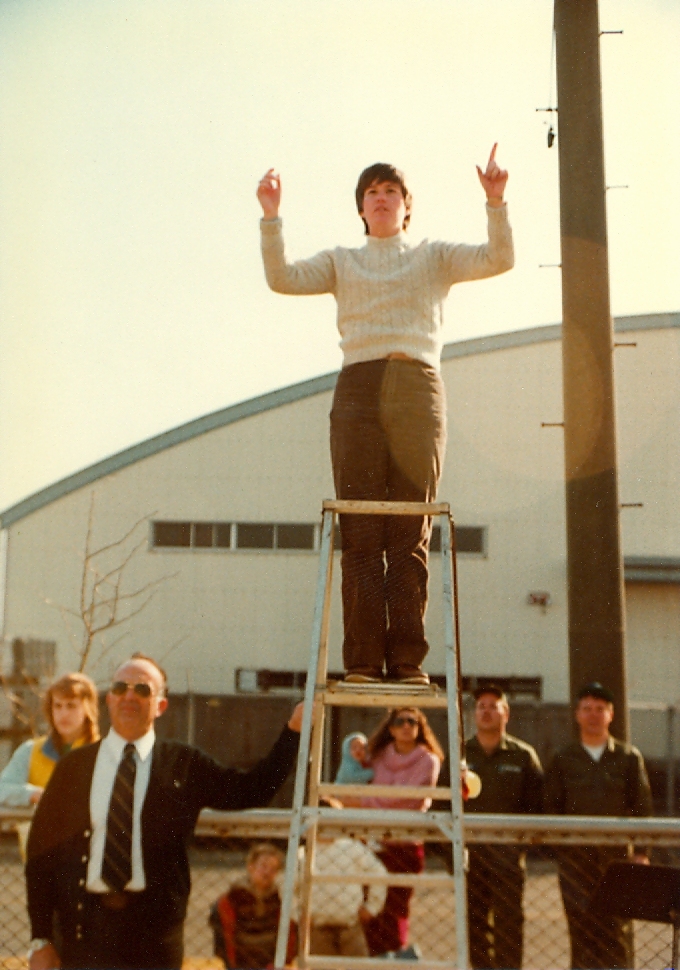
(71, 707)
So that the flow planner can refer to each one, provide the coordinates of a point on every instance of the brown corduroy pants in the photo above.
(388, 436)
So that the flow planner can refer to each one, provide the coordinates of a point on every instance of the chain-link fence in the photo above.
(523, 873)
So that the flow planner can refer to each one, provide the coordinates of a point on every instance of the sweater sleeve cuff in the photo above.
(270, 227)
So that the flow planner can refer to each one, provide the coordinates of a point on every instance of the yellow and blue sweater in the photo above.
(29, 770)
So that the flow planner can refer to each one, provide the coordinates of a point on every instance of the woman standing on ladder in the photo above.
(388, 420)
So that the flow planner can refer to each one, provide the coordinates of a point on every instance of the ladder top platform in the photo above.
(338, 693)
(356, 507)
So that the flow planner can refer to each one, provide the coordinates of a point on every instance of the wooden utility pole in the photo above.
(594, 563)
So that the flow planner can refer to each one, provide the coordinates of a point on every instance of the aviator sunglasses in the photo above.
(119, 687)
(400, 721)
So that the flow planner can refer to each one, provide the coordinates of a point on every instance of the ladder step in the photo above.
(386, 791)
(385, 687)
(388, 879)
(369, 963)
(357, 507)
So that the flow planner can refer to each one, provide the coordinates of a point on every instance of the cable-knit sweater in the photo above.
(418, 767)
(390, 294)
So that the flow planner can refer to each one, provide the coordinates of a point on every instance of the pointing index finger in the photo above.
(492, 156)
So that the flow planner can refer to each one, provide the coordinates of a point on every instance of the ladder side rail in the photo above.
(305, 889)
(318, 744)
(453, 682)
(305, 895)
(456, 629)
(320, 640)
(319, 629)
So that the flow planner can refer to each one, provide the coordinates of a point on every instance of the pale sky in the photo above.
(132, 137)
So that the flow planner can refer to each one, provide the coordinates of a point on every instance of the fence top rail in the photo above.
(10, 815)
(427, 826)
(432, 826)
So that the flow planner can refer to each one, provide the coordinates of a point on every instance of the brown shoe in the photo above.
(363, 675)
(408, 675)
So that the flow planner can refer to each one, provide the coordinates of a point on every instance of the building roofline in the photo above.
(289, 395)
(652, 569)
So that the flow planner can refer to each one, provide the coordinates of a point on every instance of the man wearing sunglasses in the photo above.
(107, 853)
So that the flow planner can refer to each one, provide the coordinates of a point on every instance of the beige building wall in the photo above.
(219, 610)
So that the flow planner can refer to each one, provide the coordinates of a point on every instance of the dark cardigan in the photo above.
(183, 780)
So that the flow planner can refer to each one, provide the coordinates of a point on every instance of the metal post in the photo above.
(670, 760)
(191, 710)
(594, 564)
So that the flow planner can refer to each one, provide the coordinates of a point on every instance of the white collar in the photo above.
(595, 750)
(399, 239)
(144, 745)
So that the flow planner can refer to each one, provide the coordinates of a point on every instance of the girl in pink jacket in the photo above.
(403, 751)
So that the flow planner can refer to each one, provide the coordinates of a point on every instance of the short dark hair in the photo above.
(596, 690)
(382, 172)
(491, 689)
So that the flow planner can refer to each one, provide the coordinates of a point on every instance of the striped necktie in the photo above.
(117, 863)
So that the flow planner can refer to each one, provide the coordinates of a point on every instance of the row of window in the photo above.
(278, 535)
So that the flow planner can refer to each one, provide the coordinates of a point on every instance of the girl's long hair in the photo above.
(381, 737)
(80, 686)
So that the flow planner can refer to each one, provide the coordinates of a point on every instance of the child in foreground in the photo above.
(245, 920)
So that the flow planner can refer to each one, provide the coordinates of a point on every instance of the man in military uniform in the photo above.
(596, 775)
(512, 782)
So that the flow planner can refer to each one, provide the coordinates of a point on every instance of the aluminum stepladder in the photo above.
(308, 817)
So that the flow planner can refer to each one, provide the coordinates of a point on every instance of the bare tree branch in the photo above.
(121, 541)
(123, 597)
(121, 566)
(103, 602)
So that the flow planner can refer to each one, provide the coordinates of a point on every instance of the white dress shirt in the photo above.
(105, 768)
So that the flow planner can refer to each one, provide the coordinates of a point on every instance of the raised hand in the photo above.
(295, 721)
(494, 179)
(269, 193)
(46, 958)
